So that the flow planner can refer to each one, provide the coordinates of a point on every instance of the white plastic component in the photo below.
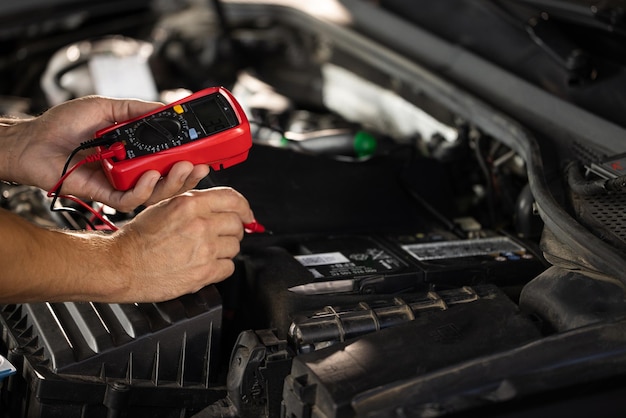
(6, 368)
(359, 100)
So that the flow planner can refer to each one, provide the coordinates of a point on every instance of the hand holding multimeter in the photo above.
(207, 127)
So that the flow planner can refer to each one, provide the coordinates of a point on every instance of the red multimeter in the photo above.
(207, 127)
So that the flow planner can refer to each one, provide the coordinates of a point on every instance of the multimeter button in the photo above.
(193, 134)
(178, 109)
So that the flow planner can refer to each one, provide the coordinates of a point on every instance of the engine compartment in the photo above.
(404, 236)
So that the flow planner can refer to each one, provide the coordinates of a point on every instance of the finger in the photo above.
(226, 224)
(139, 194)
(148, 190)
(218, 271)
(229, 247)
(121, 110)
(199, 172)
(223, 199)
(172, 184)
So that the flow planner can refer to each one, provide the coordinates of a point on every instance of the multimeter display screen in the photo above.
(215, 115)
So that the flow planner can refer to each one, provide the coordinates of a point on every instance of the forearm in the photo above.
(12, 145)
(49, 265)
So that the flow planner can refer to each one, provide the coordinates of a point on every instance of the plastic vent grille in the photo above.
(88, 359)
(605, 215)
(585, 153)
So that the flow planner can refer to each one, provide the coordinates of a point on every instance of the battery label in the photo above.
(321, 259)
(369, 260)
(463, 248)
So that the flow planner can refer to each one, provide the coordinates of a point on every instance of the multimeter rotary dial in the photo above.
(158, 132)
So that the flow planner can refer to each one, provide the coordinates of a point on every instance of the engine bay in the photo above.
(402, 237)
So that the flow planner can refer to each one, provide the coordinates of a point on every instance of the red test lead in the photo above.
(254, 228)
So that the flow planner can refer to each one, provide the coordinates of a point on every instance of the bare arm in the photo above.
(172, 248)
(40, 264)
(176, 246)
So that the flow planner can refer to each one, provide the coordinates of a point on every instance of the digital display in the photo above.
(214, 115)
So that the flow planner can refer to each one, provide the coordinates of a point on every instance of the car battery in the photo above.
(314, 271)
(392, 263)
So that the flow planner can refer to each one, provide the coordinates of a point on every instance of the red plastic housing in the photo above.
(220, 150)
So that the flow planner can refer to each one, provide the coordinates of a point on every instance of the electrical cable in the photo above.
(55, 191)
(586, 187)
(113, 151)
(489, 187)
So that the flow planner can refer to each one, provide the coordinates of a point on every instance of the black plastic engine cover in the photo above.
(99, 360)
(328, 380)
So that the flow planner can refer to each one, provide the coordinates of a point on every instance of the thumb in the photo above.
(121, 110)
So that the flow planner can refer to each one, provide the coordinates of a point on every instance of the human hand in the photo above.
(172, 248)
(46, 141)
(179, 245)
